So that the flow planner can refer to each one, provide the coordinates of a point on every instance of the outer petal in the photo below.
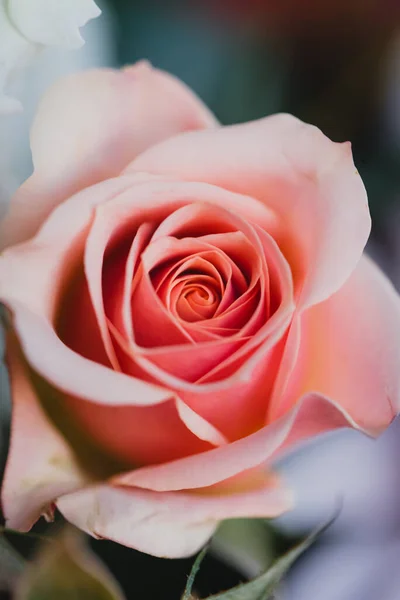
(313, 415)
(87, 129)
(349, 351)
(40, 266)
(171, 525)
(137, 435)
(295, 170)
(40, 465)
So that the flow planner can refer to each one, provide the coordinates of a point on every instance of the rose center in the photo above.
(196, 299)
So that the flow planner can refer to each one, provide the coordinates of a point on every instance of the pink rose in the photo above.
(184, 306)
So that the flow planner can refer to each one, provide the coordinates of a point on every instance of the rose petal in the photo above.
(250, 371)
(88, 127)
(111, 278)
(142, 435)
(75, 375)
(199, 426)
(153, 325)
(349, 351)
(312, 415)
(40, 465)
(247, 404)
(187, 363)
(39, 265)
(308, 181)
(42, 264)
(171, 525)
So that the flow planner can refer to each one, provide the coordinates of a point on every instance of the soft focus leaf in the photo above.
(11, 564)
(262, 587)
(66, 570)
(246, 544)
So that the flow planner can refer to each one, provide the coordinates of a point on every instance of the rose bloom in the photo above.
(185, 303)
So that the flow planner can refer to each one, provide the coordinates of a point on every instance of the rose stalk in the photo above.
(186, 302)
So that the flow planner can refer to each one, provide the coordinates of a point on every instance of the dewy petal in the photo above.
(52, 23)
(348, 350)
(171, 525)
(309, 182)
(88, 127)
(312, 415)
(40, 465)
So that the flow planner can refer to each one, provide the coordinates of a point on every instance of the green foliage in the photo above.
(66, 570)
(11, 564)
(247, 544)
(263, 586)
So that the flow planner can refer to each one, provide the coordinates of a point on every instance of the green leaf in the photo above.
(262, 587)
(11, 563)
(67, 570)
(246, 544)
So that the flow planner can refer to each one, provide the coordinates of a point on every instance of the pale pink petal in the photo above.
(130, 418)
(73, 374)
(247, 403)
(312, 415)
(199, 426)
(171, 525)
(89, 126)
(143, 435)
(40, 265)
(309, 182)
(349, 350)
(40, 465)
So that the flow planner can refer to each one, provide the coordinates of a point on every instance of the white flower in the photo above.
(28, 26)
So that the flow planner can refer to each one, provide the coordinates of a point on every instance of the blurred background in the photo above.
(332, 63)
